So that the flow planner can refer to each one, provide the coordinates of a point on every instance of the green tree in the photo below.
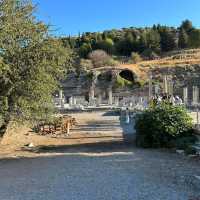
(126, 45)
(135, 58)
(153, 40)
(194, 38)
(142, 42)
(163, 125)
(187, 26)
(84, 50)
(183, 39)
(168, 40)
(31, 63)
(106, 45)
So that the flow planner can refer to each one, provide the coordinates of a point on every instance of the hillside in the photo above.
(158, 39)
(173, 59)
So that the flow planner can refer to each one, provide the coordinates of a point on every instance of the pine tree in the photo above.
(183, 39)
(194, 38)
(168, 41)
(153, 40)
(187, 26)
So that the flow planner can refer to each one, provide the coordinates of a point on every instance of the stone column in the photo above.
(116, 101)
(71, 101)
(165, 84)
(99, 99)
(110, 101)
(156, 89)
(91, 96)
(195, 95)
(185, 95)
(170, 87)
(61, 99)
(74, 101)
(150, 85)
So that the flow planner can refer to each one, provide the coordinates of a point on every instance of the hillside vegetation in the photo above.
(136, 48)
(148, 42)
(180, 58)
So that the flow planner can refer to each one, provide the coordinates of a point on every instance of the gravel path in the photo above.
(129, 174)
(114, 171)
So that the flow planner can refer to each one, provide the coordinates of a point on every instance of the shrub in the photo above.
(164, 125)
(121, 82)
(135, 58)
(149, 54)
(99, 58)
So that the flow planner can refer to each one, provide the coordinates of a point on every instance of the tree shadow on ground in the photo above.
(99, 147)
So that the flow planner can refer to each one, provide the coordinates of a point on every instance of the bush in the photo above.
(121, 82)
(164, 125)
(99, 58)
(135, 58)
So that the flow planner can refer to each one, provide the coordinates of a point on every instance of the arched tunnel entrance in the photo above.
(127, 75)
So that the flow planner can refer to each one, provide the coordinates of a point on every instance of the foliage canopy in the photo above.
(161, 125)
(31, 63)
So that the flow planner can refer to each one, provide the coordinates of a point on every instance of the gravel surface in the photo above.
(124, 174)
(112, 171)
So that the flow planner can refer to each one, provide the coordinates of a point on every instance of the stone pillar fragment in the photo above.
(71, 101)
(61, 99)
(165, 84)
(156, 89)
(150, 86)
(185, 95)
(91, 96)
(74, 101)
(99, 99)
(195, 95)
(110, 101)
(170, 87)
(116, 101)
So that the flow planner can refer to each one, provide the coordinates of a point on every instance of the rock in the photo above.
(197, 177)
(180, 151)
(196, 181)
(31, 145)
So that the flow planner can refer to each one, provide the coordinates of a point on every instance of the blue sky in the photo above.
(69, 17)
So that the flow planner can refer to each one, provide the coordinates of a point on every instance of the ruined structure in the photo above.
(177, 73)
(102, 86)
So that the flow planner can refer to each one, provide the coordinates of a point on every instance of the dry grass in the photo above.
(171, 59)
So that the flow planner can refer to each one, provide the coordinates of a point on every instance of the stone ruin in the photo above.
(107, 86)
(121, 86)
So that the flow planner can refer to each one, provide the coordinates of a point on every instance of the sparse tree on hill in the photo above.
(187, 26)
(84, 50)
(106, 45)
(135, 58)
(194, 38)
(153, 40)
(183, 39)
(168, 40)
